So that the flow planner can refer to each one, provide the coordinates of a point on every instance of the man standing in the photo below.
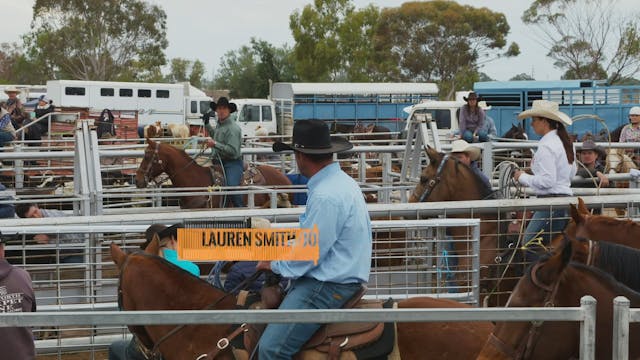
(225, 144)
(336, 206)
(14, 107)
(16, 295)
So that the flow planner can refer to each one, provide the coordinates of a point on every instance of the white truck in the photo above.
(444, 113)
(255, 113)
(167, 103)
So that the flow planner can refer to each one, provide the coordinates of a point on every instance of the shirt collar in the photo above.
(323, 174)
(549, 135)
(170, 254)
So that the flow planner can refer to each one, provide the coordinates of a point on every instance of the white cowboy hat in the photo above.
(483, 105)
(459, 146)
(546, 109)
(12, 89)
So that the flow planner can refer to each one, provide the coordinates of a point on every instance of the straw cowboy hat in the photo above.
(12, 89)
(548, 110)
(460, 146)
(312, 137)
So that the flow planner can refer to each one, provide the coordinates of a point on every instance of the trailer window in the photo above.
(194, 107)
(78, 91)
(162, 94)
(204, 107)
(250, 113)
(144, 93)
(107, 92)
(266, 113)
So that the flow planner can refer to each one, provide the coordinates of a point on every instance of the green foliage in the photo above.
(440, 41)
(97, 39)
(522, 76)
(589, 39)
(334, 41)
(246, 72)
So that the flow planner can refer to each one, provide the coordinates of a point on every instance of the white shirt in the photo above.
(552, 172)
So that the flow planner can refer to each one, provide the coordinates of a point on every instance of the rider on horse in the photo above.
(225, 143)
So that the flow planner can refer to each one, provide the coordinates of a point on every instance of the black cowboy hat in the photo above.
(223, 102)
(471, 96)
(170, 231)
(312, 137)
(590, 145)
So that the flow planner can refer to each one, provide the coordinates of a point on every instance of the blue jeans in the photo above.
(282, 341)
(5, 137)
(468, 136)
(7, 211)
(551, 223)
(125, 350)
(233, 170)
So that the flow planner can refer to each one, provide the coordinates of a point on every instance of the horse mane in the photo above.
(174, 268)
(616, 286)
(620, 261)
(181, 152)
(609, 221)
(485, 191)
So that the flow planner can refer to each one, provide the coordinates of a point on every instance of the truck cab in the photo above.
(254, 113)
(444, 113)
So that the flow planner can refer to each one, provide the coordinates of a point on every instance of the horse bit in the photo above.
(525, 349)
(435, 181)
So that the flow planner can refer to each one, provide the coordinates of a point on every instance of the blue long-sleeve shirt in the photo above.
(172, 257)
(336, 205)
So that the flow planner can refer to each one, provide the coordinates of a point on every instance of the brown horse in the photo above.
(553, 280)
(185, 172)
(446, 179)
(151, 283)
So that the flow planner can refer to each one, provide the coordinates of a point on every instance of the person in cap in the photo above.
(631, 131)
(225, 144)
(16, 295)
(471, 120)
(469, 155)
(591, 167)
(553, 166)
(7, 131)
(41, 127)
(489, 126)
(336, 206)
(211, 113)
(168, 241)
(14, 107)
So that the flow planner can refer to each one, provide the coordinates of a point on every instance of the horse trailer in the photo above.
(167, 103)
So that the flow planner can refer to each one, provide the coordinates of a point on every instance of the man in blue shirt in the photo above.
(336, 206)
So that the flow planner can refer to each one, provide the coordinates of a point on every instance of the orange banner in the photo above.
(248, 244)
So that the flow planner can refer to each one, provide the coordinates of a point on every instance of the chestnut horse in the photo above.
(447, 179)
(554, 281)
(150, 283)
(185, 172)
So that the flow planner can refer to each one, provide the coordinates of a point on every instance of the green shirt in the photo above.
(228, 138)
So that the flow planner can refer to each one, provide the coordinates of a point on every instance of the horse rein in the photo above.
(155, 159)
(525, 349)
(435, 181)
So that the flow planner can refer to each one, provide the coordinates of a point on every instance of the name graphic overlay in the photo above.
(248, 244)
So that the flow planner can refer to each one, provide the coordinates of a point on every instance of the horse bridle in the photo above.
(435, 181)
(155, 159)
(525, 348)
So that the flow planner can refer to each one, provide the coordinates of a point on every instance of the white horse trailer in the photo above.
(166, 103)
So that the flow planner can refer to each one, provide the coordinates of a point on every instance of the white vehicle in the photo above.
(254, 113)
(166, 103)
(444, 113)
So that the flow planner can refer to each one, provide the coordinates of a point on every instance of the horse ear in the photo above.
(576, 215)
(432, 154)
(154, 246)
(117, 255)
(582, 207)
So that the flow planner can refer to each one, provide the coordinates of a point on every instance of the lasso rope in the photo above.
(505, 170)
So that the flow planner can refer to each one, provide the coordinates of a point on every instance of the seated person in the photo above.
(7, 131)
(471, 120)
(68, 255)
(168, 240)
(590, 156)
(469, 155)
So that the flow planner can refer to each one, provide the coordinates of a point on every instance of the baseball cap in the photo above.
(634, 110)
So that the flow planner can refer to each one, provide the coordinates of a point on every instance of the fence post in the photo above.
(588, 328)
(620, 328)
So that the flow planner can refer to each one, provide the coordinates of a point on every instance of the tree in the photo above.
(334, 41)
(589, 39)
(98, 39)
(246, 72)
(440, 41)
(186, 70)
(522, 76)
(196, 78)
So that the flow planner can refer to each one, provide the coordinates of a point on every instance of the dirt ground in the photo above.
(98, 355)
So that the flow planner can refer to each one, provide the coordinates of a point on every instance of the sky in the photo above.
(206, 29)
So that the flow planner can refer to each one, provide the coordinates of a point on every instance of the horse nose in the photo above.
(141, 183)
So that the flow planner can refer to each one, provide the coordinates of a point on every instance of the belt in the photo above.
(552, 195)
